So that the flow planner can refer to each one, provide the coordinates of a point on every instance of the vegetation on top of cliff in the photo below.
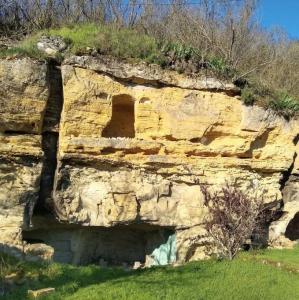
(125, 43)
(278, 101)
(220, 37)
(268, 274)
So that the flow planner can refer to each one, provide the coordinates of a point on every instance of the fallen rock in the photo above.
(39, 293)
(39, 251)
(17, 278)
(10, 279)
(51, 45)
(137, 265)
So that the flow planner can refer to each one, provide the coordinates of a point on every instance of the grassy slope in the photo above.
(247, 277)
(124, 43)
(288, 258)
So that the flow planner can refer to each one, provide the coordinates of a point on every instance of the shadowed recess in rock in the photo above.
(122, 119)
(50, 138)
(49, 146)
(149, 245)
(292, 231)
(55, 100)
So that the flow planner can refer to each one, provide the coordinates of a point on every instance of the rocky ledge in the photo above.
(101, 160)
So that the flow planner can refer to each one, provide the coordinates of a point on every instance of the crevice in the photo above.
(195, 140)
(18, 132)
(50, 136)
(136, 150)
(55, 100)
(292, 230)
(171, 138)
(49, 146)
(201, 153)
(296, 139)
(26, 160)
(286, 175)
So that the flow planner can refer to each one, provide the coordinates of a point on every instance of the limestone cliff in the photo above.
(134, 142)
(23, 99)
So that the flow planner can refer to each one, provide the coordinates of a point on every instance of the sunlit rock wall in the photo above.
(23, 99)
(134, 142)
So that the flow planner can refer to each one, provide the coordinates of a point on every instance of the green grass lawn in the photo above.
(288, 258)
(247, 277)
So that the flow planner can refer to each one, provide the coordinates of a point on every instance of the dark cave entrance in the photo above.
(122, 123)
(292, 231)
(148, 245)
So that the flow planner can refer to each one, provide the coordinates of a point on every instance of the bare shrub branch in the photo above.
(233, 216)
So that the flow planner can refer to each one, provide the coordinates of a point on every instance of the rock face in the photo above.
(23, 100)
(285, 231)
(134, 142)
(23, 96)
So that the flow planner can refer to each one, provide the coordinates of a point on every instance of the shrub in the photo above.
(285, 105)
(233, 216)
(248, 96)
(179, 51)
(221, 68)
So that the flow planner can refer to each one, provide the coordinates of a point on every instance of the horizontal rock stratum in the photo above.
(102, 159)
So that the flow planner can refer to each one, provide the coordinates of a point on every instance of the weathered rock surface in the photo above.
(23, 99)
(40, 293)
(23, 95)
(134, 142)
(144, 73)
(285, 231)
(51, 45)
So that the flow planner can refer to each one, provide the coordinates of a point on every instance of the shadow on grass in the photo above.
(68, 279)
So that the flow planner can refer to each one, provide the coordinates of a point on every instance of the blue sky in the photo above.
(284, 13)
(271, 13)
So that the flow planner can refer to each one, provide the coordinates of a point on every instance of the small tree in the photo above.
(233, 216)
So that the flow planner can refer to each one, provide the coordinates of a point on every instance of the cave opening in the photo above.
(122, 123)
(292, 230)
(120, 245)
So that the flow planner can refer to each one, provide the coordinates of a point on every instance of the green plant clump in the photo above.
(105, 39)
(285, 105)
(179, 51)
(220, 67)
(248, 96)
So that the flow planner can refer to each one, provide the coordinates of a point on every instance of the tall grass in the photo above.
(105, 39)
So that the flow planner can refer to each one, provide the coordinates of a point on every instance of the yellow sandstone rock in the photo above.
(23, 98)
(40, 293)
(151, 146)
(135, 141)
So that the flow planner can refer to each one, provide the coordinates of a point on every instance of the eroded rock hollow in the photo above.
(100, 160)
